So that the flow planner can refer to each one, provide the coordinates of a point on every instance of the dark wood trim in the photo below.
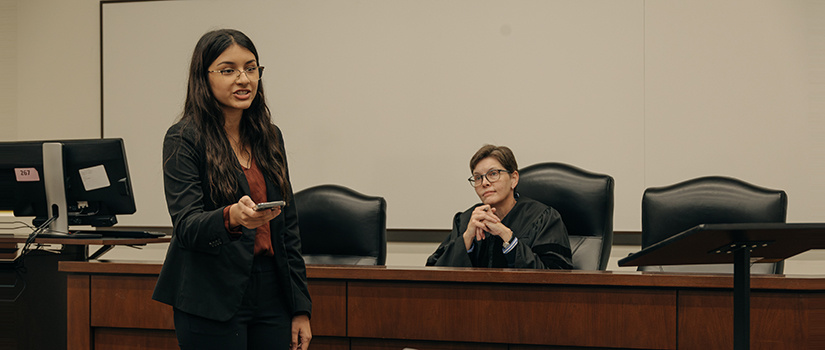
(502, 276)
(512, 314)
(122, 267)
(442, 308)
(87, 241)
(633, 238)
(78, 311)
(416, 235)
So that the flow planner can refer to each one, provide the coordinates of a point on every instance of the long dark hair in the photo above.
(203, 110)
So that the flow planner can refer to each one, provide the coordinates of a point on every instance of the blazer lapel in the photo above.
(242, 181)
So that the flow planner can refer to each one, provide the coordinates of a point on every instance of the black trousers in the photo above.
(261, 323)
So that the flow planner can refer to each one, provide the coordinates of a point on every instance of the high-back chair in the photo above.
(341, 226)
(585, 202)
(672, 209)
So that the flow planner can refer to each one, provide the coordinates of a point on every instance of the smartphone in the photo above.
(269, 205)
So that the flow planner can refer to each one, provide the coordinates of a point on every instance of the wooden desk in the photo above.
(79, 247)
(449, 308)
(33, 293)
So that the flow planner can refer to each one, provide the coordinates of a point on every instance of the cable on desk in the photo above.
(18, 264)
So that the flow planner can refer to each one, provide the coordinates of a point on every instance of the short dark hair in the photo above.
(502, 154)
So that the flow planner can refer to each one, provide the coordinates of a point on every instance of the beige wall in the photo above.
(650, 92)
(715, 69)
(391, 98)
(8, 80)
(742, 82)
(744, 88)
(58, 60)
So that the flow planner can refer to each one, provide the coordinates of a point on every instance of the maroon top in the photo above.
(257, 187)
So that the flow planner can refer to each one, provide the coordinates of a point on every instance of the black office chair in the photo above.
(672, 209)
(585, 202)
(340, 226)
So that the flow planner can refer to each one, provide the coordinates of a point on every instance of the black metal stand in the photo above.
(733, 243)
(742, 298)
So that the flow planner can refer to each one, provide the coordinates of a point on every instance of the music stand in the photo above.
(740, 244)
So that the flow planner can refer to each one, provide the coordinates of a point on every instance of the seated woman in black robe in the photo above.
(504, 230)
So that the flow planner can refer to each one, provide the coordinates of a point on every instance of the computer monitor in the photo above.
(91, 186)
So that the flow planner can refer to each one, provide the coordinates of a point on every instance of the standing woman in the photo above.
(234, 276)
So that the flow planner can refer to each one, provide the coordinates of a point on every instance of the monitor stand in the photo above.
(54, 182)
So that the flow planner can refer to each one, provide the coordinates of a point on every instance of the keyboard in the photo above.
(78, 235)
(122, 234)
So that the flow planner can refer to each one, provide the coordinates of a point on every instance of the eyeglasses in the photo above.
(492, 176)
(252, 73)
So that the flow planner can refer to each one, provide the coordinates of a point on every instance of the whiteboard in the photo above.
(392, 97)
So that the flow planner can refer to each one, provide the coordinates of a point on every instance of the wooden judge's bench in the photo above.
(110, 307)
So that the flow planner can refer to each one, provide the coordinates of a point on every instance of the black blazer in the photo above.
(207, 270)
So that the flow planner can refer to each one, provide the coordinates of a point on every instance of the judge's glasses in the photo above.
(252, 73)
(492, 176)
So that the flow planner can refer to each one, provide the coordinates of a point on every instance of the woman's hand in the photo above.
(301, 334)
(498, 229)
(483, 216)
(244, 214)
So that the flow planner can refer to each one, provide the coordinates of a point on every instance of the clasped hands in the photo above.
(483, 220)
(244, 214)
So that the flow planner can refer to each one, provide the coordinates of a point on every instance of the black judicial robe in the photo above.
(542, 241)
